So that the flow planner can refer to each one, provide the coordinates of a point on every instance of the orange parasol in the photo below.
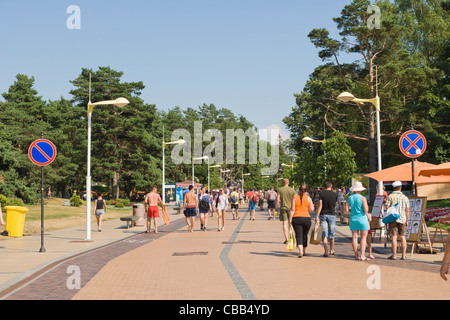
(402, 172)
(439, 170)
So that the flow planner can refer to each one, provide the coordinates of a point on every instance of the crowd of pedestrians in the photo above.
(294, 209)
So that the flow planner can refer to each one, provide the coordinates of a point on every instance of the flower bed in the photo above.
(434, 214)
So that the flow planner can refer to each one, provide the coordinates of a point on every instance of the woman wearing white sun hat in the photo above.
(359, 218)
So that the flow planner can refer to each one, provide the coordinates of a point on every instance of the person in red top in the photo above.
(152, 199)
(252, 195)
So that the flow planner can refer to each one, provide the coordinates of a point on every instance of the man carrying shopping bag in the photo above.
(398, 227)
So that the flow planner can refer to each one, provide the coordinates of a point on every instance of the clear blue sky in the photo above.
(249, 56)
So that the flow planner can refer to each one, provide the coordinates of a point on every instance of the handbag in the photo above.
(392, 214)
(316, 234)
(291, 241)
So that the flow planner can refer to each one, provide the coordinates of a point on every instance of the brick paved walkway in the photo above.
(246, 261)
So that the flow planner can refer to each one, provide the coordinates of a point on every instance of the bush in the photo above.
(119, 205)
(76, 201)
(2, 200)
(125, 202)
(14, 202)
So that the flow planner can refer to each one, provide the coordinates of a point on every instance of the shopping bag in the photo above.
(291, 241)
(165, 215)
(316, 234)
(391, 214)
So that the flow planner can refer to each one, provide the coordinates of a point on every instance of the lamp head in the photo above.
(121, 102)
(345, 97)
(307, 139)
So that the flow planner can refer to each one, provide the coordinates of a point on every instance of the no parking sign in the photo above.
(412, 144)
(42, 152)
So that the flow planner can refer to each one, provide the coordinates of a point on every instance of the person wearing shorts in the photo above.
(222, 206)
(152, 199)
(326, 215)
(252, 195)
(204, 211)
(100, 207)
(271, 200)
(285, 196)
(234, 204)
(191, 205)
(398, 227)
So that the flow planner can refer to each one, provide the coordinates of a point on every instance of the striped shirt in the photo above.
(403, 204)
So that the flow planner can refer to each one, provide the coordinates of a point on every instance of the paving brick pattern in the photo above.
(144, 267)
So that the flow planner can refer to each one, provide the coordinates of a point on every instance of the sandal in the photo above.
(392, 258)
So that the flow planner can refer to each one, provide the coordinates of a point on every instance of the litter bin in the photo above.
(139, 211)
(15, 220)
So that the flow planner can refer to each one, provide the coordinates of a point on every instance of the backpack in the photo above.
(233, 199)
(255, 197)
(272, 196)
(204, 204)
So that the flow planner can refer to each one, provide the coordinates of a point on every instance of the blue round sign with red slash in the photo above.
(412, 144)
(42, 152)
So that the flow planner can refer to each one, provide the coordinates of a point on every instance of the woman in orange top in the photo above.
(300, 219)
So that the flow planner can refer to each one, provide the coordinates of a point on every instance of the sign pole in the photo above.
(42, 211)
(42, 249)
(413, 187)
(42, 152)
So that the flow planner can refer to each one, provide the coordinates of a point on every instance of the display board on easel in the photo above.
(416, 223)
(377, 213)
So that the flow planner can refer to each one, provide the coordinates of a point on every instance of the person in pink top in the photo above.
(152, 199)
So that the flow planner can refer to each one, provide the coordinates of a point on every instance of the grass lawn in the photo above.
(58, 216)
(439, 203)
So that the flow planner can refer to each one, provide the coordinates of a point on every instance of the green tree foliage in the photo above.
(125, 141)
(126, 145)
(412, 64)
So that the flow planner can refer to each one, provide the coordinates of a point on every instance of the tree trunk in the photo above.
(115, 189)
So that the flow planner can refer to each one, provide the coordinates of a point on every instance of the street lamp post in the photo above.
(120, 102)
(181, 141)
(348, 97)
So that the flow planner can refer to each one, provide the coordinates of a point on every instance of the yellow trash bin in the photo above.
(15, 220)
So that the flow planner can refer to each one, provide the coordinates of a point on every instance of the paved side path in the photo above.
(247, 261)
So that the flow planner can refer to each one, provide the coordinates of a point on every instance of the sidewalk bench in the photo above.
(129, 220)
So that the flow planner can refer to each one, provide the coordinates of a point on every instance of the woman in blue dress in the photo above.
(359, 219)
